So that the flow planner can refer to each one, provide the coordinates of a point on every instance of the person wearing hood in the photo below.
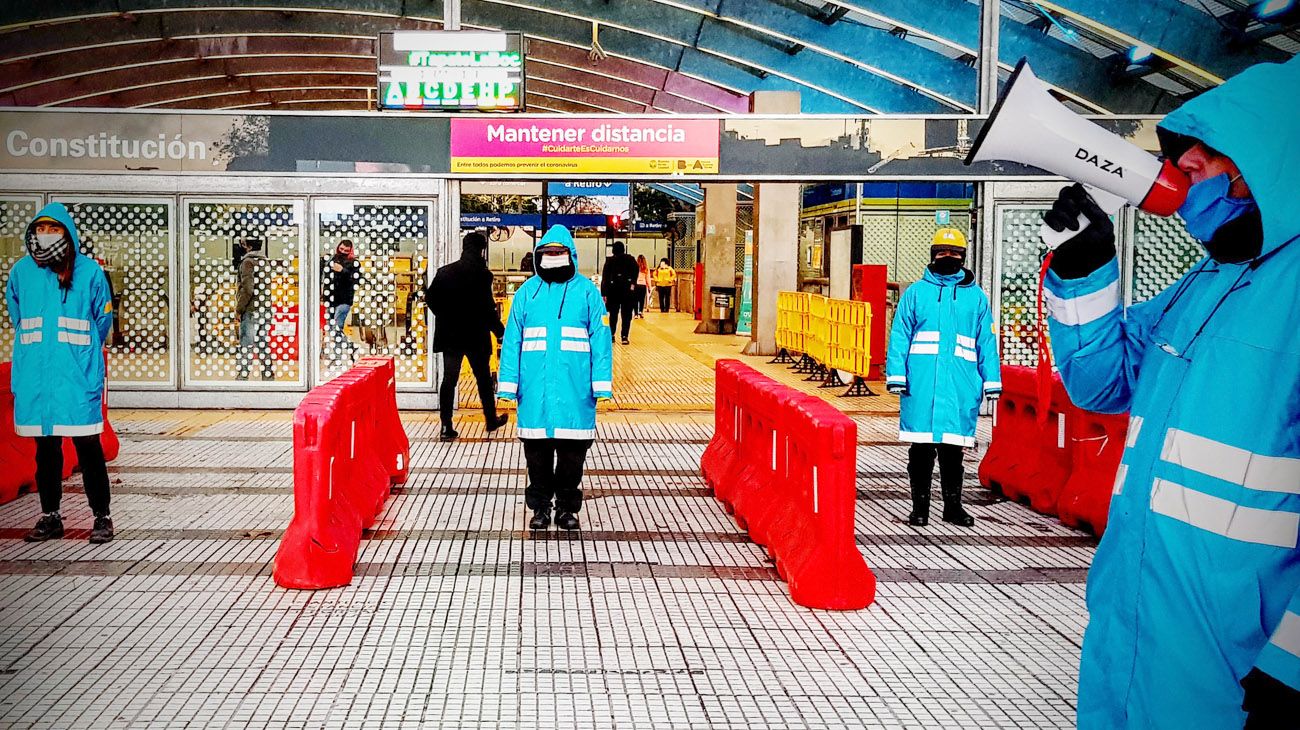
(460, 297)
(1194, 592)
(618, 285)
(556, 361)
(943, 357)
(253, 307)
(62, 312)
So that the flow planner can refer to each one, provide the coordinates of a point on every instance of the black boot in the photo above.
(541, 520)
(920, 466)
(496, 422)
(102, 532)
(448, 433)
(566, 521)
(48, 527)
(950, 478)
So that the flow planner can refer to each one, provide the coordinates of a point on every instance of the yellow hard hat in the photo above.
(949, 238)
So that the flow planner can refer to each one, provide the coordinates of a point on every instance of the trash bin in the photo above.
(722, 307)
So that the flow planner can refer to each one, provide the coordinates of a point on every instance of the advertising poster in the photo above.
(746, 313)
(629, 146)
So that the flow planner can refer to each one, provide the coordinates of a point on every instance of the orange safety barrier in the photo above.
(1030, 453)
(1097, 442)
(792, 488)
(349, 449)
(18, 453)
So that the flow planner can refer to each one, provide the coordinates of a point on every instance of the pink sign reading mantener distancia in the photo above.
(621, 145)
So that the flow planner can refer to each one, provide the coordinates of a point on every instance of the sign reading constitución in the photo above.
(451, 70)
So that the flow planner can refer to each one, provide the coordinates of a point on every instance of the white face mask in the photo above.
(46, 240)
(555, 261)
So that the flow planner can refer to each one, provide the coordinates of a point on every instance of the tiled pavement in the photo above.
(658, 614)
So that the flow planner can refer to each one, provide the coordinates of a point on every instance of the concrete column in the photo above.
(776, 235)
(719, 254)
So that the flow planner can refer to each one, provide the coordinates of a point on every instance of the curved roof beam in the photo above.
(701, 27)
(1178, 32)
(175, 34)
(1074, 71)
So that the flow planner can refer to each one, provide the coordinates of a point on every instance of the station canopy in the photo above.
(638, 56)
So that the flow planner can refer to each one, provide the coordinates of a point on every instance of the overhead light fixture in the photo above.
(1267, 9)
(1140, 53)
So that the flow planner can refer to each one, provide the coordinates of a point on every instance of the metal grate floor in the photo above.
(658, 614)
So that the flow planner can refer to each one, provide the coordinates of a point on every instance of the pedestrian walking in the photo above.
(556, 362)
(460, 297)
(62, 311)
(253, 307)
(618, 286)
(665, 276)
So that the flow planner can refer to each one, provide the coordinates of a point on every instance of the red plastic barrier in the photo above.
(785, 463)
(1096, 446)
(1029, 457)
(18, 453)
(349, 449)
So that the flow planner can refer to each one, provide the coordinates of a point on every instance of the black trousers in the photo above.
(920, 469)
(622, 306)
(94, 472)
(665, 298)
(555, 471)
(479, 365)
(639, 302)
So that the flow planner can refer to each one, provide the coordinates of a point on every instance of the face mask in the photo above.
(47, 248)
(555, 261)
(946, 265)
(1208, 206)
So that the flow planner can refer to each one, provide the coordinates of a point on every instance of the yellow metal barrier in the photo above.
(833, 335)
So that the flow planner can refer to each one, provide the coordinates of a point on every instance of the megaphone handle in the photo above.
(1108, 202)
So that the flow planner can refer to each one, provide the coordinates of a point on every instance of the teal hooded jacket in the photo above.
(58, 366)
(557, 356)
(1197, 578)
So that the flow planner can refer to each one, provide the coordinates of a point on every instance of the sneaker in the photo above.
(566, 521)
(498, 422)
(541, 520)
(626, 342)
(48, 527)
(102, 532)
(448, 434)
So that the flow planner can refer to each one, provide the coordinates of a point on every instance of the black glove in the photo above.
(1093, 247)
(1269, 704)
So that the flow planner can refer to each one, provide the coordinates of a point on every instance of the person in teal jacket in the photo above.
(1194, 593)
(943, 356)
(62, 311)
(556, 361)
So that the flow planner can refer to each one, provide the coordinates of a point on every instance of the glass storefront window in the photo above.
(257, 339)
(371, 300)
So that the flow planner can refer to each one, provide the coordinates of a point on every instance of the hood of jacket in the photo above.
(559, 234)
(59, 212)
(1251, 119)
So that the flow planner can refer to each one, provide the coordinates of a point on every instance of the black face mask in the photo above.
(946, 265)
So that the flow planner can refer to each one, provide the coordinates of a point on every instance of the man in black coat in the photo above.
(460, 296)
(618, 286)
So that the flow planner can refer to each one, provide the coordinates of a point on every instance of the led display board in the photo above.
(451, 71)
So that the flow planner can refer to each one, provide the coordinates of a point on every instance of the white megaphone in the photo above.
(1030, 127)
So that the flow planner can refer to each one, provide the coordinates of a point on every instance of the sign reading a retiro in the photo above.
(626, 146)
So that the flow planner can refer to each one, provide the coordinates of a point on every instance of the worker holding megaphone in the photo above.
(1194, 593)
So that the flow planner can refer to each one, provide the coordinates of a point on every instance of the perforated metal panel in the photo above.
(221, 346)
(392, 243)
(132, 240)
(1022, 250)
(16, 212)
(684, 244)
(1162, 252)
(902, 241)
